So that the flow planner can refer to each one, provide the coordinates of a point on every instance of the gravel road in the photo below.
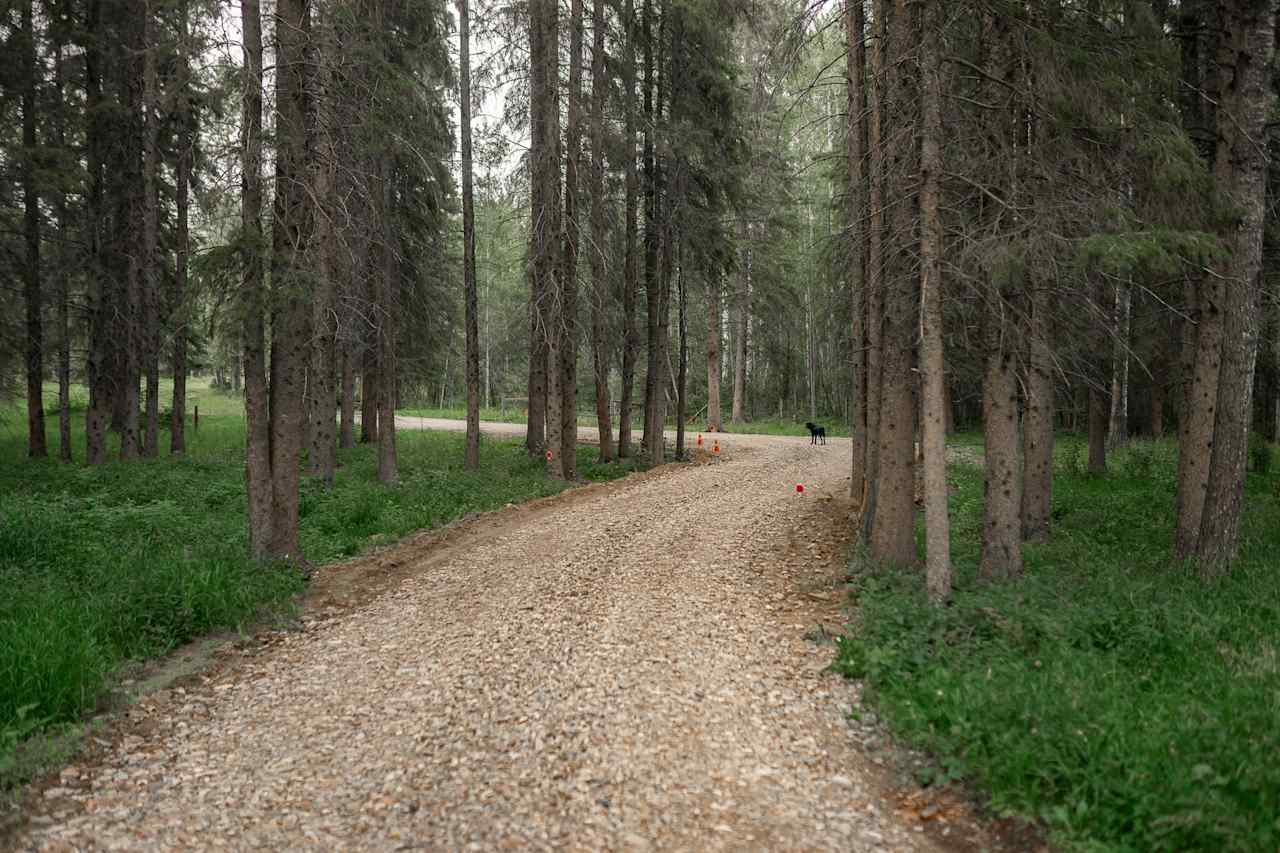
(623, 668)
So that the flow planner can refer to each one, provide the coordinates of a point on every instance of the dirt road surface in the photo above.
(623, 667)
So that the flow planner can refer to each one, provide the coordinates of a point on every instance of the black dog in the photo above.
(816, 432)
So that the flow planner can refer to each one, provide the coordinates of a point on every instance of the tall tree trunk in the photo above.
(64, 240)
(630, 274)
(1159, 383)
(1037, 421)
(182, 249)
(253, 290)
(292, 225)
(1201, 345)
(133, 228)
(682, 370)
(1202, 336)
(1118, 430)
(388, 277)
(472, 454)
(653, 390)
(1275, 354)
(347, 419)
(875, 259)
(569, 277)
(1098, 408)
(1001, 531)
(932, 357)
(1240, 171)
(543, 429)
(322, 401)
(36, 443)
(151, 236)
(546, 233)
(742, 324)
(714, 423)
(856, 264)
(599, 235)
(893, 528)
(99, 366)
(1099, 398)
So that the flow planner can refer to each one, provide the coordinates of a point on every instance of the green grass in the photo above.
(1109, 693)
(786, 426)
(121, 562)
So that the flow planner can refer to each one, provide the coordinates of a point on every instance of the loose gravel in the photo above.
(619, 672)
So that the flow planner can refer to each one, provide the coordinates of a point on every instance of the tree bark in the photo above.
(855, 152)
(875, 261)
(1099, 399)
(321, 406)
(714, 423)
(630, 274)
(569, 277)
(292, 227)
(682, 370)
(893, 528)
(37, 445)
(151, 235)
(1001, 531)
(1203, 336)
(1240, 171)
(653, 380)
(471, 458)
(182, 249)
(932, 356)
(1098, 408)
(64, 235)
(1118, 430)
(133, 197)
(257, 411)
(1037, 420)
(599, 235)
(543, 429)
(742, 324)
(388, 307)
(1275, 354)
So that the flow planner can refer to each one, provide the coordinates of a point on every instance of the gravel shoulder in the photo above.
(623, 667)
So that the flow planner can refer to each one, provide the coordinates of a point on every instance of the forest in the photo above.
(1021, 258)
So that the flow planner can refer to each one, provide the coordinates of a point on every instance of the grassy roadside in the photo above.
(1109, 693)
(123, 562)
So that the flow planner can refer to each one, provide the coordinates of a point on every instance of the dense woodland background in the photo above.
(899, 218)
(270, 197)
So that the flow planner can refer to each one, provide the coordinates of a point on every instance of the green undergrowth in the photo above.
(125, 561)
(1110, 692)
